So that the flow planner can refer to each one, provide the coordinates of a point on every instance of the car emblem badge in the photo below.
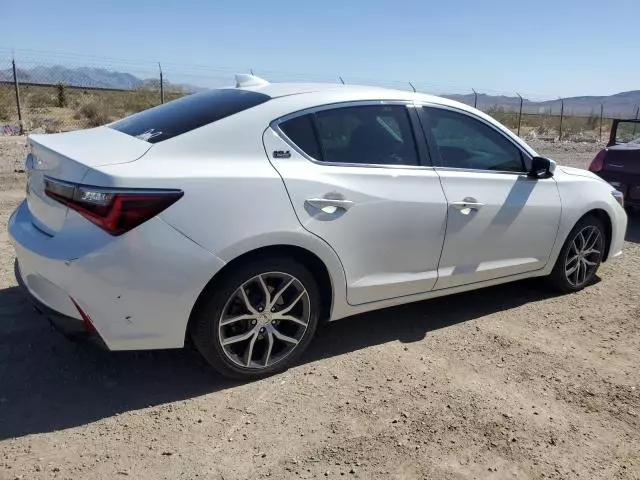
(281, 154)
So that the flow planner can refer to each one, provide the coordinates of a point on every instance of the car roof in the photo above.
(277, 90)
(359, 92)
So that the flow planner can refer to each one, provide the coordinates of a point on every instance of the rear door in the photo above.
(357, 178)
(500, 221)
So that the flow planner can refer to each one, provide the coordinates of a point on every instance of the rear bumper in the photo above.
(138, 289)
(68, 326)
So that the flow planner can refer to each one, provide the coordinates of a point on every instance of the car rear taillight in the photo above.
(114, 210)
(598, 162)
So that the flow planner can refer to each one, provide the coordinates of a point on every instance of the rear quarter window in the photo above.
(188, 113)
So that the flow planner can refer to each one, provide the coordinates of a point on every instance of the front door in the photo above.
(500, 222)
(355, 179)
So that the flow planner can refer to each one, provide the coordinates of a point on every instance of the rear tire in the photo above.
(258, 318)
(580, 257)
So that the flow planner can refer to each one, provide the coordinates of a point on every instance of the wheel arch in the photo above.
(606, 221)
(327, 284)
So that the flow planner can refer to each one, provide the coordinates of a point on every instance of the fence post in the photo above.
(520, 114)
(161, 84)
(15, 85)
(475, 98)
(601, 115)
(561, 116)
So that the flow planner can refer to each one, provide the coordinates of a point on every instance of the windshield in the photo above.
(628, 132)
(187, 113)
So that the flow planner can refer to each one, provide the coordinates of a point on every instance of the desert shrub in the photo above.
(506, 117)
(5, 109)
(96, 113)
(39, 98)
(8, 109)
(544, 131)
(52, 125)
(593, 121)
(134, 102)
(62, 95)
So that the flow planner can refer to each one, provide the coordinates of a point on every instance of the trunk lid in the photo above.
(68, 157)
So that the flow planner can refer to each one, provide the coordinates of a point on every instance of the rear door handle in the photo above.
(463, 205)
(329, 205)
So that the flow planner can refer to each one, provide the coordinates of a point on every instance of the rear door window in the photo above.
(371, 134)
(187, 113)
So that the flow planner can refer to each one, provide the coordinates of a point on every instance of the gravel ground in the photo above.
(506, 382)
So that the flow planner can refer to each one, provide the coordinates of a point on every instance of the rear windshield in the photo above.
(187, 113)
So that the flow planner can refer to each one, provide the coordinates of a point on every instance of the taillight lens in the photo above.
(116, 211)
(598, 162)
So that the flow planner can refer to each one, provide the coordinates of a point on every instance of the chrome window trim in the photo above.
(478, 170)
(526, 156)
(275, 126)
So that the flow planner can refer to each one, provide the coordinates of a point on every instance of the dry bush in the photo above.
(39, 97)
(95, 112)
(507, 118)
(7, 104)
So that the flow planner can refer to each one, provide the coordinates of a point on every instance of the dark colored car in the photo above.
(619, 162)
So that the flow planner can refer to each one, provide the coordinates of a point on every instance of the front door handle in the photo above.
(329, 205)
(467, 205)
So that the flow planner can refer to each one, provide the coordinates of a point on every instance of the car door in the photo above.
(355, 178)
(500, 221)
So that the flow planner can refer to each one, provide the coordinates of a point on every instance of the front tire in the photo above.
(258, 318)
(580, 257)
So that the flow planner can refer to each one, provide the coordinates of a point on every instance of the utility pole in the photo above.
(561, 116)
(601, 116)
(17, 89)
(161, 84)
(520, 114)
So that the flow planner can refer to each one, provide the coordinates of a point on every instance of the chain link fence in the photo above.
(39, 96)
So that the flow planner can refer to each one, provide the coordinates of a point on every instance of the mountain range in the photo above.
(623, 104)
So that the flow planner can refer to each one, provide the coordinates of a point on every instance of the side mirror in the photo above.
(541, 167)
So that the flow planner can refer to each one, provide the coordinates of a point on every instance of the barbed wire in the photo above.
(63, 91)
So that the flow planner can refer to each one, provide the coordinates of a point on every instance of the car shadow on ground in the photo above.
(48, 383)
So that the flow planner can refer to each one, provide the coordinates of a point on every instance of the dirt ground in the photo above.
(507, 382)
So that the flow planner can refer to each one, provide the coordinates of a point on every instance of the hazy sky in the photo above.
(536, 47)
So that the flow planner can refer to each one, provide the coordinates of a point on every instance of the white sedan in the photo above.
(242, 217)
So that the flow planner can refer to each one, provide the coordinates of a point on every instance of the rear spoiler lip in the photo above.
(81, 146)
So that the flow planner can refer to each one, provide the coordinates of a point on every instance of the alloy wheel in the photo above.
(264, 320)
(583, 256)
